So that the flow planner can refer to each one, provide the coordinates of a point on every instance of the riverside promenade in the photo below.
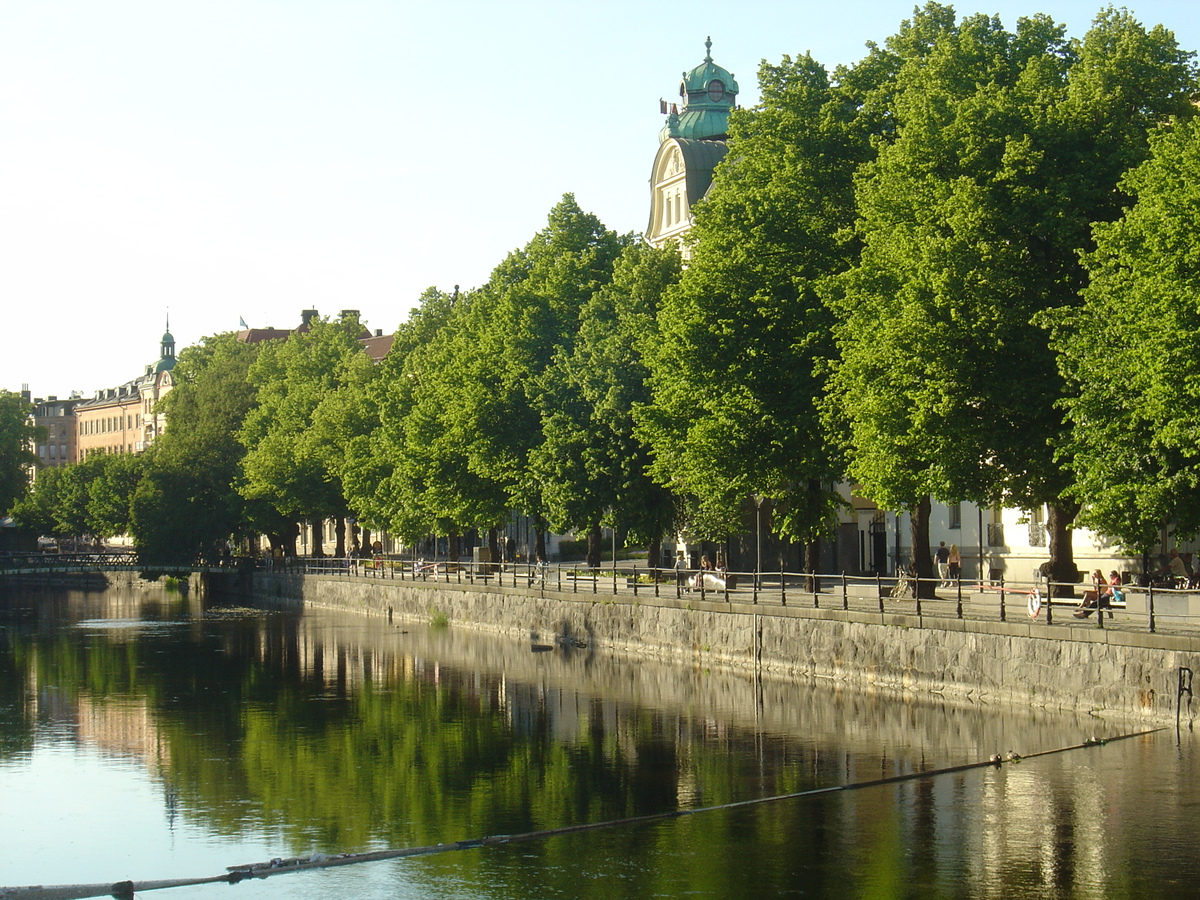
(966, 647)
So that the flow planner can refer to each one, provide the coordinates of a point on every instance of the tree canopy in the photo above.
(960, 269)
(294, 440)
(17, 437)
(590, 461)
(972, 217)
(188, 503)
(737, 365)
(1132, 354)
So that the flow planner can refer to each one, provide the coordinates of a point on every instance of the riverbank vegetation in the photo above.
(960, 269)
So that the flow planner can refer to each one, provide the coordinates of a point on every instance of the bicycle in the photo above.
(905, 587)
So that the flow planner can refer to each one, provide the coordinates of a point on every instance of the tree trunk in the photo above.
(453, 545)
(340, 551)
(1059, 522)
(494, 548)
(593, 551)
(318, 543)
(539, 540)
(922, 561)
(812, 564)
(654, 551)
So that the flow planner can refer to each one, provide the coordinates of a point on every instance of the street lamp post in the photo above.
(758, 502)
(612, 518)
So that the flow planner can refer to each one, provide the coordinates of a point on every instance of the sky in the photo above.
(219, 161)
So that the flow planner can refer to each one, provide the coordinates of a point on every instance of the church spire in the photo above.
(166, 349)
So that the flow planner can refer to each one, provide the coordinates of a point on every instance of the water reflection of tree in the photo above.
(274, 724)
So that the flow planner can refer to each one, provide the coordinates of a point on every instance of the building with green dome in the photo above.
(123, 419)
(691, 144)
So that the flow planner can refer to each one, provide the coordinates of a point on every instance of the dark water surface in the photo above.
(144, 736)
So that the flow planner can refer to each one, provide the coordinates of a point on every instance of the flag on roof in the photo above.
(242, 322)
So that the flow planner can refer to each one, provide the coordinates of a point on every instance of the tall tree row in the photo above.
(973, 217)
(463, 392)
(924, 274)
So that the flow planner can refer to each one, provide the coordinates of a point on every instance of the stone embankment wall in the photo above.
(1079, 668)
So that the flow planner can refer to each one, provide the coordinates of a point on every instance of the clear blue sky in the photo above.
(229, 159)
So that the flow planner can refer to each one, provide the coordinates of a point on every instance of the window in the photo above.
(954, 512)
(1037, 528)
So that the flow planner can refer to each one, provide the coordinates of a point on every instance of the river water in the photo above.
(147, 735)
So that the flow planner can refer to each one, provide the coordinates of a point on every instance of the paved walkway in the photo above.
(966, 601)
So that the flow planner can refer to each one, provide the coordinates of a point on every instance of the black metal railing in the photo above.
(1034, 602)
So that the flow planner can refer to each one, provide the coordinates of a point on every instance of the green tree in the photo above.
(289, 463)
(471, 420)
(111, 490)
(342, 422)
(529, 309)
(590, 461)
(188, 502)
(396, 475)
(743, 341)
(69, 496)
(1132, 355)
(17, 437)
(90, 497)
(972, 219)
(931, 318)
(37, 510)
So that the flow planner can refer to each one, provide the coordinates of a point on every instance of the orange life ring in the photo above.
(1035, 603)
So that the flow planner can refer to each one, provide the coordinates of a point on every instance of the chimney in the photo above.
(307, 315)
(350, 315)
(378, 332)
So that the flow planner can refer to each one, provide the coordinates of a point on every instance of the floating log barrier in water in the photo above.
(125, 890)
